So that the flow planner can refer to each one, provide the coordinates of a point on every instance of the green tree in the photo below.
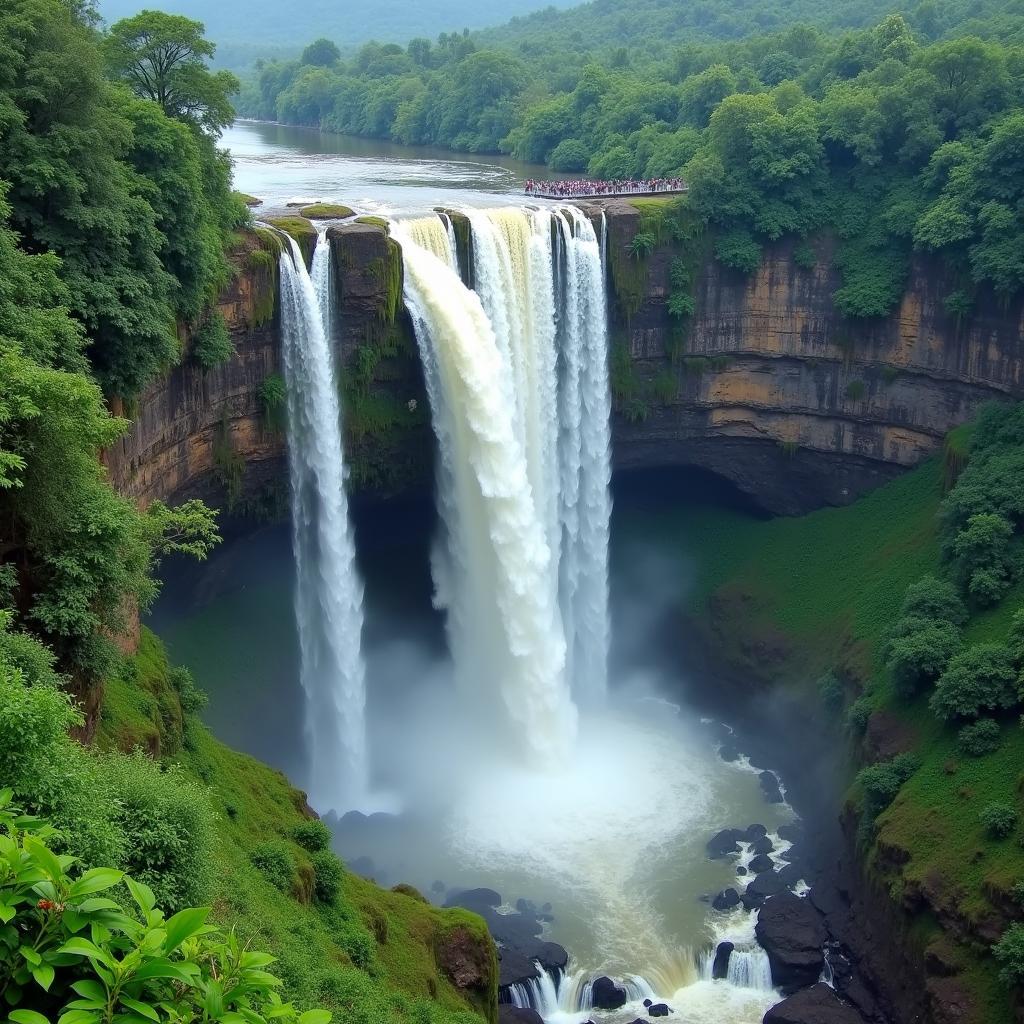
(981, 678)
(324, 53)
(985, 561)
(163, 57)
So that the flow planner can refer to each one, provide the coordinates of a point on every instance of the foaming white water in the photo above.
(493, 574)
(329, 592)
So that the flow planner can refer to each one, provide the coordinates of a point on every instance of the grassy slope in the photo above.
(315, 944)
(826, 587)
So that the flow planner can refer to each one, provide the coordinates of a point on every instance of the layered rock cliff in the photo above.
(765, 383)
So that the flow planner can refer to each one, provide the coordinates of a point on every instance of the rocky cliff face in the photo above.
(764, 383)
(773, 388)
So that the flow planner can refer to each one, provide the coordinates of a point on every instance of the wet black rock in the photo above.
(726, 899)
(606, 995)
(526, 907)
(741, 871)
(762, 845)
(648, 1002)
(791, 931)
(761, 888)
(762, 863)
(720, 967)
(792, 832)
(659, 1010)
(514, 968)
(552, 956)
(815, 1005)
(515, 930)
(721, 844)
(770, 787)
(473, 899)
(518, 1015)
(754, 832)
(791, 874)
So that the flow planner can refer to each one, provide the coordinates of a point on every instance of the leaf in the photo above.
(141, 893)
(44, 976)
(83, 947)
(88, 988)
(95, 880)
(97, 903)
(316, 1016)
(45, 858)
(183, 925)
(79, 1017)
(28, 1017)
(141, 1008)
(30, 955)
(6, 913)
(161, 968)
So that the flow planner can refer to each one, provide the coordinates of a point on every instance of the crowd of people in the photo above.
(573, 189)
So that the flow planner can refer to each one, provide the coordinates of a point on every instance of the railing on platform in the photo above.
(543, 194)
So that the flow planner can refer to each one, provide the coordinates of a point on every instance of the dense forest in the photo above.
(901, 136)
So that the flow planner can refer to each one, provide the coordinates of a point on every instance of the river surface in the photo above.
(614, 840)
(281, 164)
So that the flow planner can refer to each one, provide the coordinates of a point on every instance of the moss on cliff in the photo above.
(367, 954)
(327, 211)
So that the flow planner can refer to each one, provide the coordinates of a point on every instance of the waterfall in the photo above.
(493, 573)
(329, 592)
(517, 374)
(748, 968)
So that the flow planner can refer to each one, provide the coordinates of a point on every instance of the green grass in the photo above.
(372, 954)
(327, 211)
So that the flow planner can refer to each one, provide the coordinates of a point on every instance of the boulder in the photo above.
(815, 1005)
(473, 899)
(552, 956)
(741, 871)
(508, 1014)
(720, 967)
(721, 844)
(792, 832)
(648, 1002)
(762, 845)
(765, 885)
(770, 787)
(754, 832)
(514, 968)
(726, 899)
(791, 874)
(791, 931)
(762, 863)
(659, 1010)
(515, 930)
(526, 907)
(606, 995)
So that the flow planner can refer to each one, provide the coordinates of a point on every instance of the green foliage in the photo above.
(275, 861)
(327, 211)
(738, 249)
(919, 651)
(855, 390)
(978, 738)
(832, 692)
(327, 876)
(1009, 952)
(858, 714)
(933, 598)
(187, 529)
(67, 951)
(998, 819)
(881, 782)
(211, 342)
(273, 395)
(312, 835)
(986, 564)
(804, 256)
(642, 245)
(981, 678)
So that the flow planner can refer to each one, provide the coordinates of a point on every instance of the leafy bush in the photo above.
(932, 598)
(569, 155)
(978, 738)
(804, 256)
(830, 689)
(273, 396)
(168, 824)
(211, 342)
(276, 862)
(999, 819)
(982, 678)
(919, 651)
(312, 835)
(68, 952)
(859, 713)
(328, 876)
(642, 245)
(881, 782)
(1009, 951)
(192, 698)
(739, 250)
(985, 562)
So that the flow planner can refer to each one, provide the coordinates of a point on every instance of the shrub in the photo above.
(855, 390)
(192, 699)
(570, 155)
(859, 713)
(273, 396)
(978, 738)
(804, 256)
(998, 819)
(932, 598)
(168, 824)
(919, 651)
(312, 835)
(211, 342)
(328, 876)
(81, 957)
(275, 861)
(642, 245)
(830, 689)
(1009, 951)
(881, 782)
(739, 250)
(982, 678)
(985, 562)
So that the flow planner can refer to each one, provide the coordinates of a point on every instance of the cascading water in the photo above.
(329, 592)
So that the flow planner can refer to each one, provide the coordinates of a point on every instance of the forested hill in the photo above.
(659, 25)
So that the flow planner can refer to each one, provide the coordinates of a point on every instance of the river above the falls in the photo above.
(281, 164)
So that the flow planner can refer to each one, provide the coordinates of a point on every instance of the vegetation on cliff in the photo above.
(899, 137)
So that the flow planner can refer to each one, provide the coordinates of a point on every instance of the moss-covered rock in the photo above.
(249, 201)
(327, 211)
(301, 229)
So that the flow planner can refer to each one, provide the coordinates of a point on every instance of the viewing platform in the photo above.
(619, 194)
